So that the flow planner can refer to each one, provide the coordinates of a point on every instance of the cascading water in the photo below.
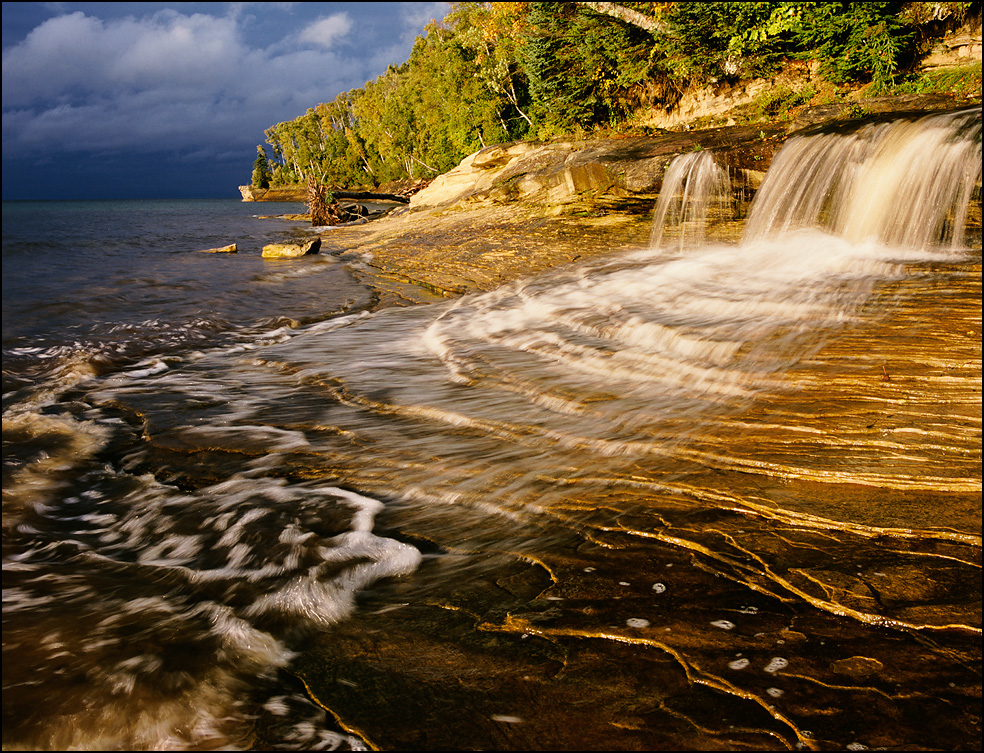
(726, 498)
(906, 183)
(694, 187)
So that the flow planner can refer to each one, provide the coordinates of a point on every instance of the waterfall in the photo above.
(650, 499)
(694, 188)
(906, 182)
(903, 183)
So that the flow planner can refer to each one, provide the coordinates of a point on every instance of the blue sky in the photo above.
(169, 100)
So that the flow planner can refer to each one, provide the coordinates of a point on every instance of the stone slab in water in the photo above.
(292, 250)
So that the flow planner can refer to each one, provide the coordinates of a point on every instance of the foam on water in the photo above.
(660, 331)
(174, 599)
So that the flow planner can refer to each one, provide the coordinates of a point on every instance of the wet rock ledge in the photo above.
(512, 210)
(517, 209)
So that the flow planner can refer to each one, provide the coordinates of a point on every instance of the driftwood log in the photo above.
(325, 209)
(367, 196)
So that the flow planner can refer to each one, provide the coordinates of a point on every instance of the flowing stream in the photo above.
(704, 495)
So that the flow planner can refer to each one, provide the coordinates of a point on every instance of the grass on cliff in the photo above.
(962, 81)
(782, 103)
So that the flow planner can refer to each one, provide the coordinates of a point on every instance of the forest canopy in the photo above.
(496, 72)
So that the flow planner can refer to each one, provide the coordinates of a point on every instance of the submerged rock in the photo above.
(292, 250)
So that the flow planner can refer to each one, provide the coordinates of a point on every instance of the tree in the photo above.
(494, 72)
(261, 169)
(857, 41)
(492, 33)
(582, 68)
(714, 40)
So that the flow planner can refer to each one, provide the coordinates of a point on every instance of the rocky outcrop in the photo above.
(514, 210)
(723, 100)
(962, 48)
(572, 175)
(282, 193)
(232, 248)
(292, 250)
(617, 173)
(871, 106)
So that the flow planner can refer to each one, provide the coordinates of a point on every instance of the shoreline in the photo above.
(513, 211)
(480, 249)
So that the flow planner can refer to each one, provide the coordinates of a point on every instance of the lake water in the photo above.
(656, 499)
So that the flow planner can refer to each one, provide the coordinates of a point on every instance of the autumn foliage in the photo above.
(495, 72)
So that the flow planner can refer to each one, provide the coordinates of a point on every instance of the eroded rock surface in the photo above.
(292, 250)
(799, 571)
(232, 248)
(569, 175)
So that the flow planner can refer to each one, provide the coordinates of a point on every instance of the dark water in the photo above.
(116, 281)
(94, 293)
(662, 488)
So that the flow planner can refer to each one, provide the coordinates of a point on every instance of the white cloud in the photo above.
(56, 57)
(167, 80)
(416, 15)
(325, 31)
(174, 49)
(190, 81)
(76, 55)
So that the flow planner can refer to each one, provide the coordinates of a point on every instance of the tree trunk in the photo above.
(367, 196)
(630, 16)
(321, 204)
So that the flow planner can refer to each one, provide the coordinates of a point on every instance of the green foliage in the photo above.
(856, 41)
(495, 72)
(777, 102)
(491, 32)
(422, 118)
(581, 68)
(857, 111)
(261, 169)
(963, 81)
(728, 40)
(948, 13)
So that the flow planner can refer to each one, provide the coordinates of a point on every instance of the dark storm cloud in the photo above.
(131, 79)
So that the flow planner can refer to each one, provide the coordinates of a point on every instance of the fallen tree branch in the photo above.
(367, 196)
